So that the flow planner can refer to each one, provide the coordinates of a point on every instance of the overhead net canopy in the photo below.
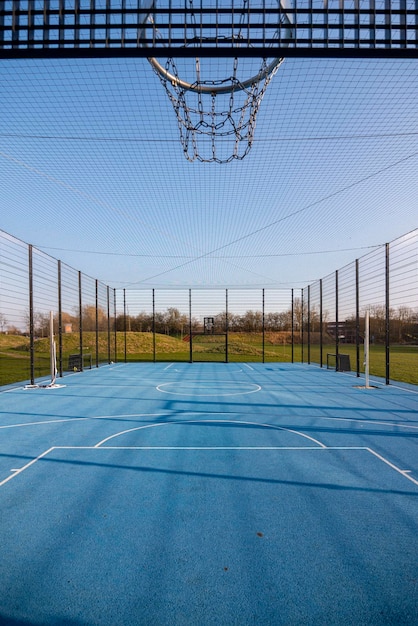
(216, 100)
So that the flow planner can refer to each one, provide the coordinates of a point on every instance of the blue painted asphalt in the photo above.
(209, 494)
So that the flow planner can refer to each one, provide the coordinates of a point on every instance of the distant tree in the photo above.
(89, 318)
(378, 322)
(252, 321)
(176, 322)
(403, 325)
(142, 323)
(278, 321)
(12, 330)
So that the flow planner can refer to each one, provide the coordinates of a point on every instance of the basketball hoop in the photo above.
(216, 106)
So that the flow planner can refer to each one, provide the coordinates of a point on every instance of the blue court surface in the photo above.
(227, 494)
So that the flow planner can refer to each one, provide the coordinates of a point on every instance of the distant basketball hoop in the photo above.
(217, 105)
(209, 325)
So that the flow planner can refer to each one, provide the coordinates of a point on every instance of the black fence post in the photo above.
(80, 313)
(124, 324)
(309, 324)
(108, 324)
(321, 321)
(292, 324)
(387, 323)
(154, 346)
(190, 328)
(357, 320)
(337, 331)
(226, 328)
(263, 327)
(97, 321)
(31, 325)
(115, 328)
(302, 336)
(60, 366)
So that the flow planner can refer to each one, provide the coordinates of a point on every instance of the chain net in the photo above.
(216, 118)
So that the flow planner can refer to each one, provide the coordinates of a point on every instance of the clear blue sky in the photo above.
(92, 172)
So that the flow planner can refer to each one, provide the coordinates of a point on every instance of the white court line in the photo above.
(25, 467)
(403, 473)
(194, 388)
(249, 367)
(62, 378)
(382, 384)
(401, 388)
(168, 367)
(81, 419)
(183, 422)
(369, 422)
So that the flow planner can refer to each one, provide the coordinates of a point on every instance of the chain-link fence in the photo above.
(32, 285)
(384, 283)
(94, 324)
(206, 325)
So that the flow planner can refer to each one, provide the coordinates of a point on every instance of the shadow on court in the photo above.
(278, 507)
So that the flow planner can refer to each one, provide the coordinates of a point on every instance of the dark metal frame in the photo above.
(93, 28)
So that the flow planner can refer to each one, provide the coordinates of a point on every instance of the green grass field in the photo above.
(242, 347)
(403, 360)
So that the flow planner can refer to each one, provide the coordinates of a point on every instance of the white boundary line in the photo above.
(213, 386)
(196, 421)
(403, 473)
(80, 419)
(401, 388)
(369, 422)
(25, 467)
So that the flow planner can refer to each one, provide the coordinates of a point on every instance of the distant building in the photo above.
(346, 331)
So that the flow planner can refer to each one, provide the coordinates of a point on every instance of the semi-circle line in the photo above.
(129, 430)
(218, 392)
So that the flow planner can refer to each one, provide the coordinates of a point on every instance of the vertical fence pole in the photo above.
(357, 320)
(190, 328)
(263, 325)
(31, 325)
(309, 324)
(124, 324)
(292, 324)
(80, 314)
(302, 337)
(60, 366)
(108, 323)
(337, 330)
(387, 322)
(321, 321)
(31, 23)
(97, 323)
(226, 328)
(154, 346)
(115, 328)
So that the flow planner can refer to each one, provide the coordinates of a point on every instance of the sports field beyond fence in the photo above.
(15, 354)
